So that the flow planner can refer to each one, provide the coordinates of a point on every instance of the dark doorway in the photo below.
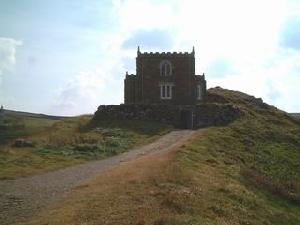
(186, 118)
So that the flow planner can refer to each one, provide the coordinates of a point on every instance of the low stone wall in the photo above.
(214, 114)
(207, 114)
(161, 113)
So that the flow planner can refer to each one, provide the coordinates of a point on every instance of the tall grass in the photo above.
(70, 141)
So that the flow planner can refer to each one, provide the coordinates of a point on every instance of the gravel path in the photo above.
(22, 198)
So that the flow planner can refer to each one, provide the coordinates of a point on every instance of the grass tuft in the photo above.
(70, 141)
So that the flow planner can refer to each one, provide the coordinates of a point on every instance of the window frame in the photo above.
(166, 90)
(166, 68)
(199, 92)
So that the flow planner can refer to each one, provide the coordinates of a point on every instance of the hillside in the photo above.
(35, 143)
(244, 173)
(22, 114)
(14, 124)
(296, 115)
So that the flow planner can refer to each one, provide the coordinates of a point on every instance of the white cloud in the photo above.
(245, 34)
(83, 93)
(236, 46)
(143, 14)
(277, 82)
(8, 48)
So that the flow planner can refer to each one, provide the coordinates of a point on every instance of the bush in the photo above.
(85, 147)
(284, 189)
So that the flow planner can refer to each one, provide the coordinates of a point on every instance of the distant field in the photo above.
(32, 115)
(296, 115)
(60, 142)
(14, 124)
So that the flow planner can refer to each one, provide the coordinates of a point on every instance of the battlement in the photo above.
(159, 54)
(200, 77)
(130, 75)
(169, 54)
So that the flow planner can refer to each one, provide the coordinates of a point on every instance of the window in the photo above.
(166, 90)
(165, 68)
(199, 92)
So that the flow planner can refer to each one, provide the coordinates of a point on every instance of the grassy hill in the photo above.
(58, 142)
(296, 115)
(14, 124)
(244, 173)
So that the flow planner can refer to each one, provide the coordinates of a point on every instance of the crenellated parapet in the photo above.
(130, 75)
(163, 54)
(168, 54)
(200, 77)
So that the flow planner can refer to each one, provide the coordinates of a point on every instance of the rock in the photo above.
(21, 143)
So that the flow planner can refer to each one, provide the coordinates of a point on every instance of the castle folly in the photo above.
(165, 89)
(164, 78)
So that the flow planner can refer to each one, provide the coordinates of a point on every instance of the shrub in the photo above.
(287, 190)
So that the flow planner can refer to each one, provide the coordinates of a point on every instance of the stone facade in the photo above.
(164, 78)
(181, 116)
(165, 89)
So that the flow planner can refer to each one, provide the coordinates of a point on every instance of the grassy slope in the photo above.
(14, 124)
(62, 143)
(212, 180)
(296, 115)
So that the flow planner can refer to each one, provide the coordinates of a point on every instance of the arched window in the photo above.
(165, 68)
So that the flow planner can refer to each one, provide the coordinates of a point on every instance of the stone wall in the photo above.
(144, 87)
(160, 113)
(214, 114)
(206, 114)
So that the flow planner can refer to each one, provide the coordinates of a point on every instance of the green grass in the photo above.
(295, 115)
(254, 167)
(13, 126)
(244, 173)
(70, 141)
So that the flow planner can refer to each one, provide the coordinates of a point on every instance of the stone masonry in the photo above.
(165, 89)
(164, 78)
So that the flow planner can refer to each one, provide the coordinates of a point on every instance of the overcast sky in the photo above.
(66, 57)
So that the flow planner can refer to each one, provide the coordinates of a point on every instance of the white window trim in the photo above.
(163, 68)
(199, 92)
(163, 90)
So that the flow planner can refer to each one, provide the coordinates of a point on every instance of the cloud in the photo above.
(290, 36)
(273, 93)
(232, 46)
(240, 45)
(135, 15)
(220, 67)
(8, 48)
(83, 93)
(153, 39)
(277, 82)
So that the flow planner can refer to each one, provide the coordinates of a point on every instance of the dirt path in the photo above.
(22, 198)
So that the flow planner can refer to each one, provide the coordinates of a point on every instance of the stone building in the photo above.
(164, 78)
(165, 89)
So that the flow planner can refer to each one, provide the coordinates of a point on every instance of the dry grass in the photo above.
(152, 190)
(202, 184)
(159, 190)
(119, 196)
(64, 143)
(162, 190)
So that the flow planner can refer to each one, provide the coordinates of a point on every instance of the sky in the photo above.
(67, 57)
